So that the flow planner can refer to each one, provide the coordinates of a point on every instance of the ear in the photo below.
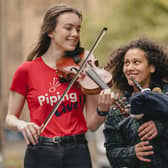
(152, 68)
(51, 35)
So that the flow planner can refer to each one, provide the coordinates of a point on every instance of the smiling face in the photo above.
(136, 66)
(66, 34)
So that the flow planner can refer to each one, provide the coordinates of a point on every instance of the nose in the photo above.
(74, 32)
(130, 66)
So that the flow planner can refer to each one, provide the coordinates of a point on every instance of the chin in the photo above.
(130, 83)
(70, 48)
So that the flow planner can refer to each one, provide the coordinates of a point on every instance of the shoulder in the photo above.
(28, 65)
(25, 65)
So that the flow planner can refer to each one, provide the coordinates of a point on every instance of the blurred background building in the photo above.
(20, 22)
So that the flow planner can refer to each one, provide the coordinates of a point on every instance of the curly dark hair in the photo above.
(156, 54)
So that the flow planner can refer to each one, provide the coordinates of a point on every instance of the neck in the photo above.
(51, 57)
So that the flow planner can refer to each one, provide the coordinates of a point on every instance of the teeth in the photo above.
(72, 40)
(131, 74)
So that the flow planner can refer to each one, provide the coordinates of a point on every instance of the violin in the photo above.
(88, 81)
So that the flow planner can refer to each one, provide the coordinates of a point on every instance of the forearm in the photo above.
(119, 152)
(94, 121)
(12, 122)
(122, 156)
(16, 103)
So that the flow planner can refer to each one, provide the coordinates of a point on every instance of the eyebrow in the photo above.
(70, 24)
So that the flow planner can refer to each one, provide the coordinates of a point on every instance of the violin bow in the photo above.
(47, 120)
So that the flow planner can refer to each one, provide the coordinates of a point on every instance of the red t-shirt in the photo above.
(40, 85)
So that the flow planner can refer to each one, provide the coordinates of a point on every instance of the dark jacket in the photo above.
(120, 140)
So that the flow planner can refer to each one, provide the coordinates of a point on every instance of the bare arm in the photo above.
(93, 120)
(15, 106)
(29, 130)
(103, 101)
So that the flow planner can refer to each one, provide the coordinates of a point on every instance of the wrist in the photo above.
(101, 113)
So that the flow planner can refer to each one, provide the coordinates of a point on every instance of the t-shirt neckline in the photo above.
(51, 68)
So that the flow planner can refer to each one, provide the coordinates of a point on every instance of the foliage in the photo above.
(127, 20)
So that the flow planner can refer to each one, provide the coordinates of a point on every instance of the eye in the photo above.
(78, 30)
(68, 28)
(136, 62)
(126, 63)
(71, 28)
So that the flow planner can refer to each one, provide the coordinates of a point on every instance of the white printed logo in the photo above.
(46, 98)
(72, 97)
(53, 85)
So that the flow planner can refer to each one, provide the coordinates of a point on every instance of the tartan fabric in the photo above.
(120, 140)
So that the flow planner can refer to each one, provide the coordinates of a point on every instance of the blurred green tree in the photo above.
(127, 20)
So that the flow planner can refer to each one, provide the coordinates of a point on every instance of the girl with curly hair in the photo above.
(137, 144)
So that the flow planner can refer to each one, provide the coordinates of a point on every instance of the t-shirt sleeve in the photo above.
(20, 80)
